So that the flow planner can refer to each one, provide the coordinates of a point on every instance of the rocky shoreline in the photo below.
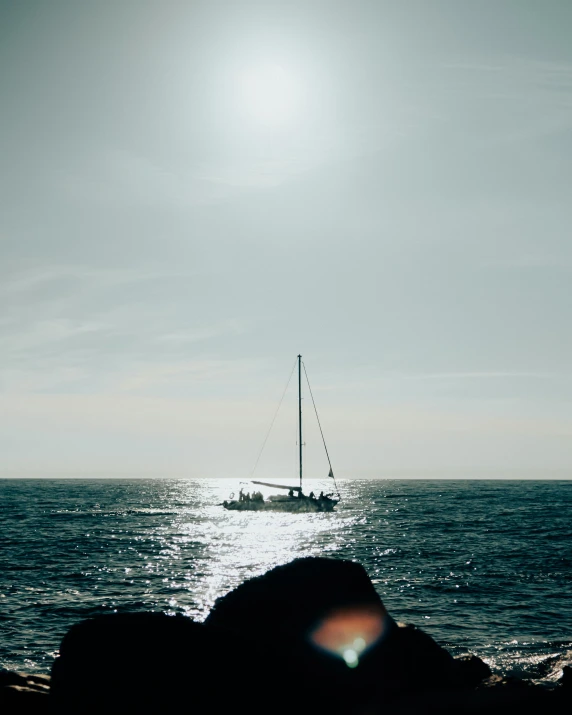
(312, 636)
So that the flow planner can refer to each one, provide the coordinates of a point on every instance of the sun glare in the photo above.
(269, 94)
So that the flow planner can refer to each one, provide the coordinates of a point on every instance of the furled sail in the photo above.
(278, 486)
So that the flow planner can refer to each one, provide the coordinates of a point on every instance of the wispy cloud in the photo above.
(46, 332)
(485, 375)
(198, 334)
(527, 98)
(141, 180)
(79, 328)
(180, 375)
(21, 281)
(549, 260)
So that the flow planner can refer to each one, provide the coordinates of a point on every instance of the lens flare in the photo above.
(348, 632)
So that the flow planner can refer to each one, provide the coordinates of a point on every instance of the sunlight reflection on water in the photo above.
(239, 545)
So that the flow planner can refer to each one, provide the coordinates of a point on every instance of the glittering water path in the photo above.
(483, 566)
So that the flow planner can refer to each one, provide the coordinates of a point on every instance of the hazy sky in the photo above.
(194, 192)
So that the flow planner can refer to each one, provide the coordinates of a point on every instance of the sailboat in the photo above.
(294, 500)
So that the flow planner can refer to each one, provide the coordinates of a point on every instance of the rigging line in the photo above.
(320, 426)
(273, 420)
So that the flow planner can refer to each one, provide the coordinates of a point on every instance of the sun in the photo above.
(269, 94)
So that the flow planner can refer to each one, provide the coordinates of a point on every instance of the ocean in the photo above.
(484, 567)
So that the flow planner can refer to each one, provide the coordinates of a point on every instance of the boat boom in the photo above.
(278, 486)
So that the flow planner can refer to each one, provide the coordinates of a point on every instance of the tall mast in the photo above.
(300, 413)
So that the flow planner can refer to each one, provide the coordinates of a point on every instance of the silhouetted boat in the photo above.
(294, 500)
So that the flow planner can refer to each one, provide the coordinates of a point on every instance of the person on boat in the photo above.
(291, 493)
(321, 495)
(241, 495)
(312, 495)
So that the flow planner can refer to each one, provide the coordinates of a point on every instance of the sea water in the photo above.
(484, 567)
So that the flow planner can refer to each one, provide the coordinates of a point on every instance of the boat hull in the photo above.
(294, 505)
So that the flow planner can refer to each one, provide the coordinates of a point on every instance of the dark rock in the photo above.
(498, 694)
(39, 680)
(9, 677)
(566, 678)
(496, 699)
(471, 670)
(505, 682)
(285, 608)
(23, 694)
(149, 663)
(290, 598)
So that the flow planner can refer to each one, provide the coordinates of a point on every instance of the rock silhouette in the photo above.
(285, 607)
(148, 663)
